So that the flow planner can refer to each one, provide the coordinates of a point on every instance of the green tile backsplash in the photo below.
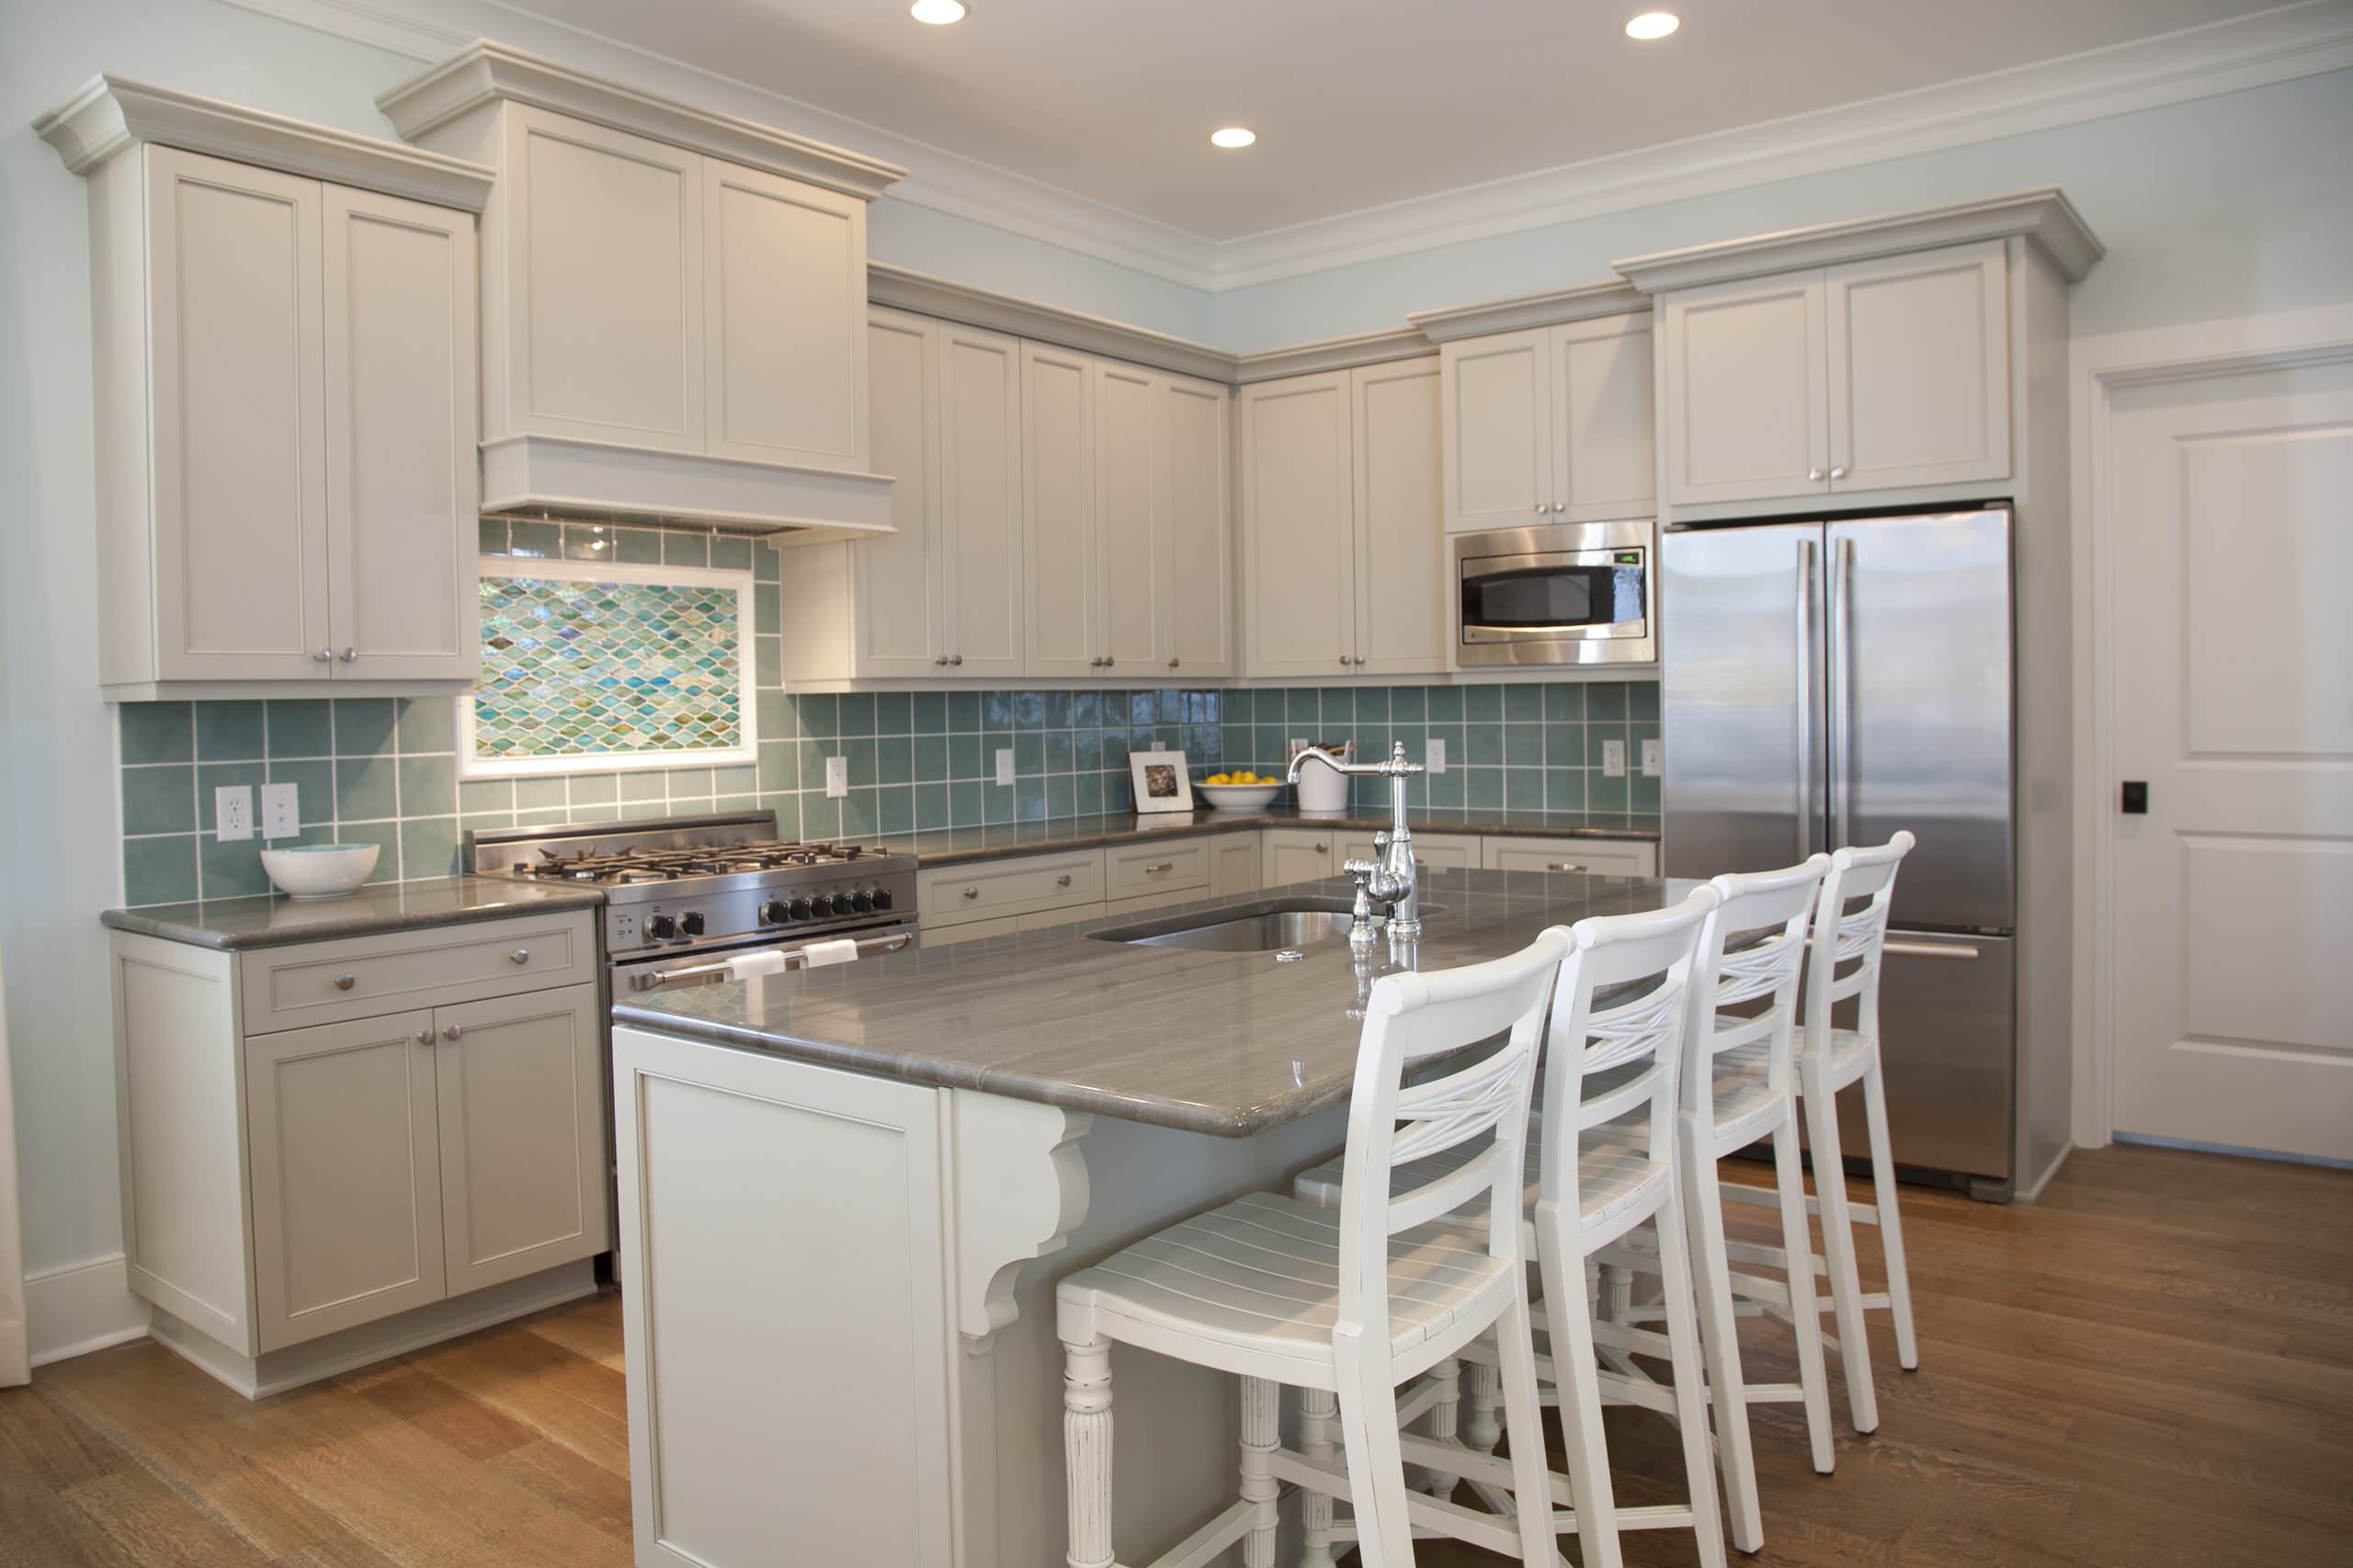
(384, 770)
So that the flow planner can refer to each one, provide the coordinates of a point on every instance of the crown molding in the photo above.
(1330, 354)
(1521, 312)
(904, 289)
(113, 114)
(2043, 216)
(486, 72)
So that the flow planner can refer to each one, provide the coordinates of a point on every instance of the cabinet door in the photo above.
(1295, 855)
(1743, 410)
(238, 406)
(343, 1151)
(401, 467)
(1920, 368)
(1298, 527)
(901, 596)
(1127, 525)
(1058, 487)
(1234, 864)
(1192, 491)
(985, 580)
(520, 1082)
(1400, 523)
(784, 319)
(1604, 465)
(1498, 424)
(604, 307)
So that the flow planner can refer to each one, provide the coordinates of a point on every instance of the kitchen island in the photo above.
(830, 1182)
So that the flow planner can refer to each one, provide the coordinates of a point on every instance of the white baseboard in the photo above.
(81, 1308)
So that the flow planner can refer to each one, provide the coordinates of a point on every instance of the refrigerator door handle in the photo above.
(1842, 692)
(1955, 954)
(1805, 698)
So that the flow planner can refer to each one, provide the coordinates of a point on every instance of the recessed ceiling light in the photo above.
(1649, 25)
(939, 13)
(1233, 136)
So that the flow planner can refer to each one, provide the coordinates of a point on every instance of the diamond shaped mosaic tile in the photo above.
(581, 669)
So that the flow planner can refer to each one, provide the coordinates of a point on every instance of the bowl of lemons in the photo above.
(1240, 789)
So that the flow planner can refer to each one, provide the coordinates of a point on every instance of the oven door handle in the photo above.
(795, 958)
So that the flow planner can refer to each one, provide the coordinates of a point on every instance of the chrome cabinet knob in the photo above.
(323, 655)
(1109, 661)
(972, 892)
(1359, 658)
(521, 955)
(1343, 661)
(1559, 506)
(453, 1031)
(956, 659)
(1322, 847)
(1172, 663)
(425, 1036)
(1814, 474)
(1095, 663)
(939, 658)
(1837, 473)
(1063, 881)
(345, 982)
(1541, 508)
(351, 655)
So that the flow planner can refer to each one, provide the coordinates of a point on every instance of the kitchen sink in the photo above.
(1253, 930)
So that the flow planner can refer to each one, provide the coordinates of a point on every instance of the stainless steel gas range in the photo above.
(685, 895)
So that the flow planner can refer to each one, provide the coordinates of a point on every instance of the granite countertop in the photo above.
(272, 920)
(947, 846)
(1217, 1042)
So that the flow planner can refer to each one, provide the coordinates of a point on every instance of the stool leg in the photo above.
(1890, 1229)
(1447, 1375)
(1578, 1387)
(1261, 1434)
(1483, 1424)
(1805, 1312)
(1690, 1410)
(1318, 1408)
(1839, 1252)
(1727, 1390)
(1376, 1464)
(1524, 1412)
(1617, 1292)
(1087, 1451)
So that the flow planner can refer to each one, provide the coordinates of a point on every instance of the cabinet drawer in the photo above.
(1139, 868)
(971, 930)
(1598, 856)
(951, 895)
(1441, 851)
(322, 982)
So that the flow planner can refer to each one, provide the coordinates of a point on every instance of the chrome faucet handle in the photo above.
(1361, 936)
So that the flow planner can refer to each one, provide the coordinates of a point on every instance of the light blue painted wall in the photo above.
(2220, 207)
(907, 235)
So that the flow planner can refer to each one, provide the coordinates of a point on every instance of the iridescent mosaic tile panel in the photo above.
(587, 668)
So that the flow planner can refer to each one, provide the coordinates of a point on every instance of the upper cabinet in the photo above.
(1549, 424)
(286, 394)
(673, 301)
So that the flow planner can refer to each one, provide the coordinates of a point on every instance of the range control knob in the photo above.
(661, 927)
(773, 912)
(842, 904)
(862, 902)
(691, 923)
(882, 898)
(802, 909)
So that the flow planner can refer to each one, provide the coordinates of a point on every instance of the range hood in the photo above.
(601, 482)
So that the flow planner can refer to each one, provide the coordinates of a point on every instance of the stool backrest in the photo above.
(1643, 1032)
(1851, 941)
(1409, 1019)
(1780, 905)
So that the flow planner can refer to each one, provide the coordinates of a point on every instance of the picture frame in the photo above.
(1162, 781)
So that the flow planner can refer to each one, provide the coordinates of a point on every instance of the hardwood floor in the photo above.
(2152, 1366)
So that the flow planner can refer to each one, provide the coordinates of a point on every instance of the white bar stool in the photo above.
(1609, 1083)
(1354, 1303)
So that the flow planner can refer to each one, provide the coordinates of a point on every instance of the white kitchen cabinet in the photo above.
(1128, 602)
(1059, 512)
(1296, 854)
(1882, 374)
(981, 501)
(1443, 851)
(1192, 491)
(1400, 553)
(1548, 425)
(1604, 460)
(1596, 857)
(1234, 864)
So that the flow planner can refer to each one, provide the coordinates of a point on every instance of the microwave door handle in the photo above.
(1805, 698)
(1842, 691)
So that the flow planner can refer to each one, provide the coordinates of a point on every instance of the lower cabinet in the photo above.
(1441, 851)
(1288, 855)
(1598, 856)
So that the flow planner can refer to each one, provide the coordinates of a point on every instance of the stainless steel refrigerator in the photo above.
(1826, 683)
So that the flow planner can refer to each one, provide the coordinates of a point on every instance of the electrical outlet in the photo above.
(232, 812)
(1436, 760)
(1004, 765)
(1654, 757)
(281, 810)
(1613, 759)
(837, 777)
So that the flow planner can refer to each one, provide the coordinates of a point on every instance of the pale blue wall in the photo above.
(2220, 207)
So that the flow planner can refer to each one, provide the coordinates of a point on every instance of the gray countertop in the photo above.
(947, 846)
(234, 923)
(1224, 1043)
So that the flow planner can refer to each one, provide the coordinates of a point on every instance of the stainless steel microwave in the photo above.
(1564, 594)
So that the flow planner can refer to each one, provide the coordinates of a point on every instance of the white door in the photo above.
(1298, 527)
(784, 319)
(1742, 404)
(604, 298)
(1919, 368)
(1498, 430)
(2233, 693)
(1126, 549)
(985, 576)
(1295, 855)
(240, 486)
(520, 1082)
(401, 469)
(1400, 518)
(1604, 464)
(1058, 488)
(900, 598)
(1192, 488)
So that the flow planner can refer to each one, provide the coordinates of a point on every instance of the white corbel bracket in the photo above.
(1020, 1191)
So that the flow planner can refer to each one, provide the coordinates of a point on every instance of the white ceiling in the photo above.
(1359, 103)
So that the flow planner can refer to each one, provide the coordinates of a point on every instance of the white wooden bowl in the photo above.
(1238, 797)
(319, 871)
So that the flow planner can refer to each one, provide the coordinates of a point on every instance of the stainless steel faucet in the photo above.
(1391, 878)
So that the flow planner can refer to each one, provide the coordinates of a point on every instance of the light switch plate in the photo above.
(1654, 757)
(1436, 761)
(837, 777)
(232, 812)
(281, 810)
(1613, 759)
(1004, 765)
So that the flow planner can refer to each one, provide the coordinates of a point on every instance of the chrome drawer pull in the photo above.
(521, 955)
(1568, 866)
(1163, 866)
(345, 982)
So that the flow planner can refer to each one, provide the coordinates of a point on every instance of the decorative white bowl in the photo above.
(319, 871)
(1239, 797)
